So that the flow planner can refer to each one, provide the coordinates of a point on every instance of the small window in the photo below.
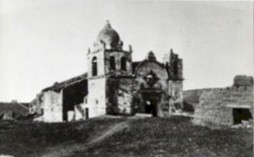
(112, 63)
(123, 63)
(94, 66)
(175, 68)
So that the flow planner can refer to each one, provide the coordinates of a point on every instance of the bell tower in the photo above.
(106, 59)
(174, 67)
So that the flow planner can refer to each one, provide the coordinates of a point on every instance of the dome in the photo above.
(109, 36)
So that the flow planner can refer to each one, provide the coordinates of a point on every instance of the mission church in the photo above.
(115, 84)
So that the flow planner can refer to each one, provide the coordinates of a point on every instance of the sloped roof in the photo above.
(58, 86)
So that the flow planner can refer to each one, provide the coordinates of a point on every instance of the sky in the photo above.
(45, 41)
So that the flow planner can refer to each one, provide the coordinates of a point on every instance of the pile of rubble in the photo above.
(244, 124)
(1, 155)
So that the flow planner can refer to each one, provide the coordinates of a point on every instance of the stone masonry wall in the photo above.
(119, 96)
(213, 107)
(175, 91)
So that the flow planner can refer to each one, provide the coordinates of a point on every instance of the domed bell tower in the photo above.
(105, 60)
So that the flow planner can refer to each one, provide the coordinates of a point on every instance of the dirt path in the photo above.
(67, 150)
(107, 133)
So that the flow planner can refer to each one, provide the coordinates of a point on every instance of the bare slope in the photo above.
(176, 137)
(191, 99)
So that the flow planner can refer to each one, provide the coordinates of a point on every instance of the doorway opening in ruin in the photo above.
(151, 103)
(151, 107)
(240, 114)
(87, 113)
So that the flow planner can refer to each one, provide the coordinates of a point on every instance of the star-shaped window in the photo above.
(151, 78)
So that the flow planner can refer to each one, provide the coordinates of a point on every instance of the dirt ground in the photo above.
(136, 137)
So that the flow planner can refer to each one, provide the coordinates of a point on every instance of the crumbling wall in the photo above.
(211, 109)
(175, 91)
(119, 95)
(191, 99)
(174, 65)
(36, 105)
(243, 80)
(215, 105)
(73, 95)
(111, 94)
(124, 96)
(81, 111)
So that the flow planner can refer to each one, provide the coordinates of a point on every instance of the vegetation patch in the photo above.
(123, 137)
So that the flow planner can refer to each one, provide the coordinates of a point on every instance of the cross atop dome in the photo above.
(107, 24)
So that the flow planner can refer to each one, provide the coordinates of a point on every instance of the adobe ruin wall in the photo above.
(216, 105)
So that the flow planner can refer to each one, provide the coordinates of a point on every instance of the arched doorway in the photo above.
(150, 91)
(151, 101)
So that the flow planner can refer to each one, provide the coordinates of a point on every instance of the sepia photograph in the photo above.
(126, 78)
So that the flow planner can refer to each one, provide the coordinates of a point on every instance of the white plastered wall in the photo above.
(97, 97)
(52, 107)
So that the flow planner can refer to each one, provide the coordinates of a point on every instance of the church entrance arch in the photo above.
(151, 100)
(150, 90)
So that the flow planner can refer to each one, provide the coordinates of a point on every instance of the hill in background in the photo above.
(13, 110)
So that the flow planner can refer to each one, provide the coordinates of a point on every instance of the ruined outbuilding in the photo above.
(54, 103)
(14, 110)
(226, 106)
(115, 84)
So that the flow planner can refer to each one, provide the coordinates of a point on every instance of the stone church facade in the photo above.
(115, 84)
